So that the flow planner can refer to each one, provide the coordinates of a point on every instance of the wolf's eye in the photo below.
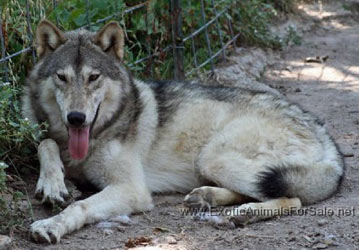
(61, 77)
(93, 77)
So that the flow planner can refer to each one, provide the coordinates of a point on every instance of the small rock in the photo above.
(171, 240)
(106, 224)
(288, 68)
(123, 219)
(107, 232)
(297, 90)
(307, 238)
(65, 242)
(320, 246)
(322, 222)
(5, 242)
(84, 236)
(231, 238)
(330, 240)
(292, 239)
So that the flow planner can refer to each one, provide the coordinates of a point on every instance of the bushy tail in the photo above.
(309, 184)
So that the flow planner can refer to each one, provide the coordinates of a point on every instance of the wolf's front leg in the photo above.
(51, 186)
(111, 201)
(125, 192)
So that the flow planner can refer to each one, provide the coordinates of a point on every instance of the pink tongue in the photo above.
(79, 142)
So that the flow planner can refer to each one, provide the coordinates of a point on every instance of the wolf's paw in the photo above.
(46, 231)
(246, 214)
(52, 190)
(201, 197)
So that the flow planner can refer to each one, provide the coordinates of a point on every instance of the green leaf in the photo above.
(14, 124)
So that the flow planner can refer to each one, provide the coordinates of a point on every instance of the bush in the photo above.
(18, 143)
(255, 16)
(18, 137)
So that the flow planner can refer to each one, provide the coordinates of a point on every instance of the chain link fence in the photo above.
(198, 44)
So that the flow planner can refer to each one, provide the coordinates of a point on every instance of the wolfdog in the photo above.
(129, 138)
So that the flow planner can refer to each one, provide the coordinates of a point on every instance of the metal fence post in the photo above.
(3, 51)
(29, 30)
(177, 38)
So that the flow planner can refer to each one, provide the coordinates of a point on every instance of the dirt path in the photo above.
(331, 91)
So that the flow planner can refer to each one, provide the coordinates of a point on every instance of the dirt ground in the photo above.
(330, 90)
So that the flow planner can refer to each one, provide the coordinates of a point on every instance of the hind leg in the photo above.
(240, 177)
(232, 171)
(206, 197)
(257, 211)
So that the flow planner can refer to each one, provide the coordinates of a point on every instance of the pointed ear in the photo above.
(111, 39)
(48, 38)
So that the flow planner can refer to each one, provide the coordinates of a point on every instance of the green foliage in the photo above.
(147, 29)
(18, 136)
(291, 38)
(18, 141)
(249, 17)
(283, 5)
(3, 166)
(255, 16)
(73, 14)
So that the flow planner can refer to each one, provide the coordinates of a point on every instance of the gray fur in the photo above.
(79, 49)
(164, 136)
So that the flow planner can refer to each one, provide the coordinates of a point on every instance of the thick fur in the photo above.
(166, 136)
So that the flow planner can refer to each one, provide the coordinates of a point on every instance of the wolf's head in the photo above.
(84, 73)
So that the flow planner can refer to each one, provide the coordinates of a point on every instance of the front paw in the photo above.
(47, 231)
(202, 197)
(52, 190)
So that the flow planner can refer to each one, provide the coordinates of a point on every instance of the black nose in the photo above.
(76, 118)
